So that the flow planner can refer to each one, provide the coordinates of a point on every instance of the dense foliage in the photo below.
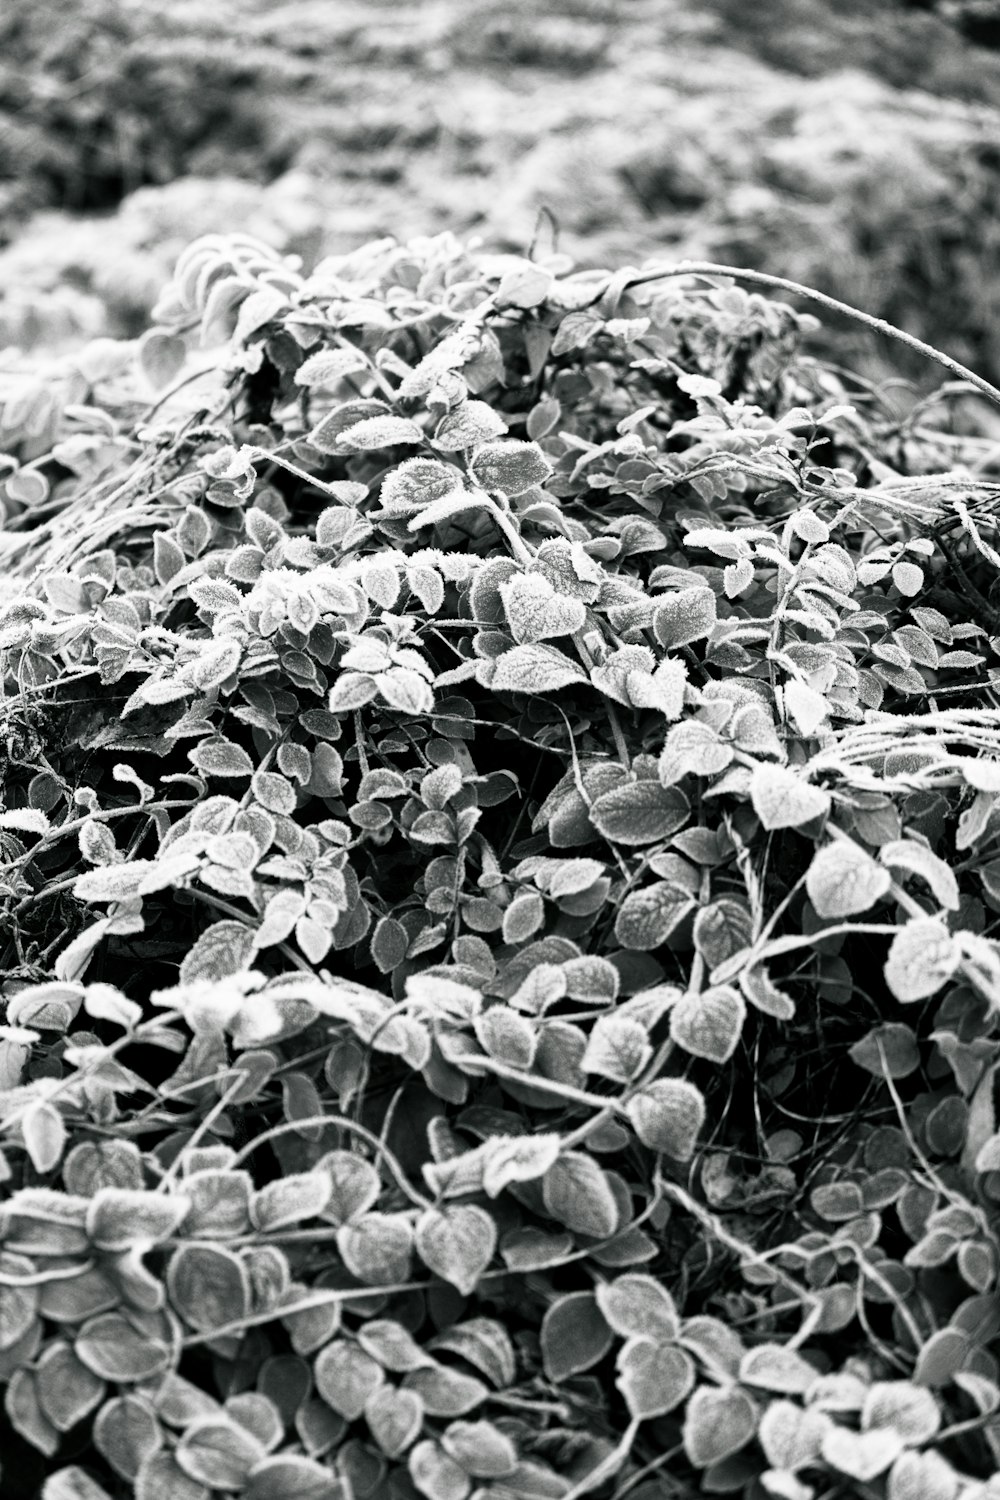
(499, 896)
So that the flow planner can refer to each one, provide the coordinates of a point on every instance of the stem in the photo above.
(781, 283)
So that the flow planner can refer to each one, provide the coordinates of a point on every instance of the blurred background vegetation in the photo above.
(850, 144)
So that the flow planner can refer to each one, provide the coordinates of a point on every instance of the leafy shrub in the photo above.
(499, 884)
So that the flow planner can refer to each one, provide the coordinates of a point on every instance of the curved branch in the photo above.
(781, 283)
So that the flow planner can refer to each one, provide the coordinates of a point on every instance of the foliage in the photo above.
(500, 881)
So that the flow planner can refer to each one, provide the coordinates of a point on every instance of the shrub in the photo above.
(499, 888)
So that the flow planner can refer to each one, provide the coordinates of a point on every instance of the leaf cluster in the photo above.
(499, 885)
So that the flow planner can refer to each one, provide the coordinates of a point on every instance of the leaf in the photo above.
(507, 1036)
(220, 757)
(667, 1115)
(888, 1050)
(807, 707)
(485, 1344)
(161, 1478)
(72, 1483)
(274, 792)
(480, 1448)
(376, 1248)
(126, 1433)
(908, 578)
(638, 1306)
(437, 1475)
(466, 426)
(510, 467)
(783, 800)
(717, 1423)
(790, 1436)
(860, 1455)
(534, 669)
(161, 357)
(536, 612)
(289, 1200)
(722, 928)
(526, 285)
(908, 1410)
(446, 1392)
(222, 950)
(923, 956)
(654, 1378)
(772, 1367)
(618, 1048)
(67, 1389)
(640, 812)
(118, 1218)
(457, 1242)
(329, 366)
(44, 1132)
(218, 1452)
(522, 1158)
(289, 1476)
(112, 1348)
(709, 1024)
(112, 882)
(574, 1336)
(765, 996)
(418, 482)
(647, 917)
(346, 1377)
(684, 616)
(355, 1185)
(280, 916)
(372, 434)
(26, 819)
(395, 1418)
(692, 749)
(577, 1194)
(922, 1476)
(907, 854)
(208, 1286)
(843, 880)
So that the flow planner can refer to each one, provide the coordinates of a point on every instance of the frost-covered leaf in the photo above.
(843, 880)
(468, 425)
(372, 434)
(717, 1423)
(618, 1048)
(536, 612)
(647, 917)
(888, 1049)
(638, 1306)
(772, 1367)
(577, 1194)
(922, 957)
(654, 1378)
(685, 616)
(534, 669)
(709, 1024)
(917, 859)
(639, 812)
(574, 1335)
(668, 1115)
(458, 1242)
(509, 467)
(781, 799)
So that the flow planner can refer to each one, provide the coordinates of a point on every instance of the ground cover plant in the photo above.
(499, 834)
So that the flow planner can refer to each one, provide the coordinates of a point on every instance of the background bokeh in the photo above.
(850, 144)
